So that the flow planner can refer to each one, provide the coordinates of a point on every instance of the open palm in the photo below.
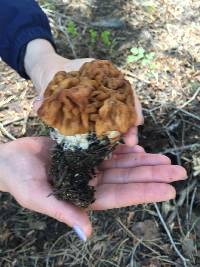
(130, 177)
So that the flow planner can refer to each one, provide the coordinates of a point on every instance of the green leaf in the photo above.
(141, 51)
(152, 66)
(139, 56)
(149, 6)
(132, 58)
(105, 37)
(93, 35)
(150, 56)
(145, 62)
(151, 9)
(134, 50)
(71, 29)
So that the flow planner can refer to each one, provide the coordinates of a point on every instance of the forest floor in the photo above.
(164, 69)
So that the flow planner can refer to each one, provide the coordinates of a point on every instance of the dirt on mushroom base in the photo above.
(30, 239)
(72, 170)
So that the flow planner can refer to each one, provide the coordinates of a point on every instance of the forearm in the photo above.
(3, 165)
(36, 51)
(36, 58)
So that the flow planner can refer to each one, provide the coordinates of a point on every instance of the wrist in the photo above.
(35, 51)
(3, 165)
(41, 63)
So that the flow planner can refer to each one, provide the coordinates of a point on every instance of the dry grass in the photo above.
(167, 234)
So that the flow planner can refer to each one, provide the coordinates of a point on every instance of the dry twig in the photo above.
(184, 260)
(182, 148)
(6, 133)
(187, 102)
(68, 38)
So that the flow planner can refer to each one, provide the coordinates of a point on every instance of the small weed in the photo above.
(105, 37)
(71, 29)
(149, 7)
(93, 36)
(48, 4)
(136, 54)
(141, 56)
(194, 85)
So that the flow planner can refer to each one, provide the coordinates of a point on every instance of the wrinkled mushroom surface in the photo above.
(96, 98)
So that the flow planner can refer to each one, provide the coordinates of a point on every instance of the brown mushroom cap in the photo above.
(96, 98)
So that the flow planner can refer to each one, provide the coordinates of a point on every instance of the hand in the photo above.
(137, 177)
(42, 63)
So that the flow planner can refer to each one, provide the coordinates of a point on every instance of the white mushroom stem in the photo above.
(77, 141)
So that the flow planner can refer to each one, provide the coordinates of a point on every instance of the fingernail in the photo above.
(115, 156)
(108, 157)
(80, 233)
(38, 98)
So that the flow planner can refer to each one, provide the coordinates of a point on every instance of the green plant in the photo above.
(194, 85)
(71, 29)
(149, 7)
(105, 37)
(136, 54)
(93, 35)
(48, 4)
(139, 55)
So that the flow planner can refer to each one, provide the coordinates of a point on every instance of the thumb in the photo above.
(43, 202)
(138, 110)
(37, 103)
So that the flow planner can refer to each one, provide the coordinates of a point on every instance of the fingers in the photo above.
(62, 211)
(138, 109)
(109, 196)
(131, 137)
(75, 64)
(124, 149)
(144, 174)
(134, 160)
(37, 103)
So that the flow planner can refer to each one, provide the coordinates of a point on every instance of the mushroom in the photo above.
(88, 111)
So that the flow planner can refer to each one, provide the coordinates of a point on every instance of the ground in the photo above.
(166, 77)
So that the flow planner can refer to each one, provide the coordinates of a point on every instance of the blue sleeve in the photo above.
(20, 22)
